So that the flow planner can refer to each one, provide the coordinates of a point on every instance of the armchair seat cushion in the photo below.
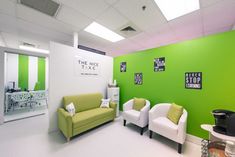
(131, 115)
(165, 126)
(85, 117)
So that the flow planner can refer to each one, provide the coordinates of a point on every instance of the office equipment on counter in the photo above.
(224, 122)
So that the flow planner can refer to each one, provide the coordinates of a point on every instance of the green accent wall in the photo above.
(23, 72)
(214, 56)
(41, 73)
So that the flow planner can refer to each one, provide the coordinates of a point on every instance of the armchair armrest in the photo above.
(113, 105)
(65, 122)
(144, 114)
(182, 126)
(128, 105)
(159, 110)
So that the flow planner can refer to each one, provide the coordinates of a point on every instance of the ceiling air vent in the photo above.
(129, 30)
(48, 7)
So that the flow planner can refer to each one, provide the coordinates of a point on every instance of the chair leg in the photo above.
(68, 139)
(150, 134)
(179, 148)
(124, 122)
(141, 131)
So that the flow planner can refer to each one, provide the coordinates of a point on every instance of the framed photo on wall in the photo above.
(159, 64)
(193, 80)
(123, 67)
(138, 78)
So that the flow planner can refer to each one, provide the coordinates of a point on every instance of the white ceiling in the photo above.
(19, 23)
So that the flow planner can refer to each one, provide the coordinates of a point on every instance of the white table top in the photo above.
(209, 128)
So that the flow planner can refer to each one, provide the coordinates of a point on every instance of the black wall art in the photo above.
(138, 78)
(123, 67)
(159, 64)
(193, 80)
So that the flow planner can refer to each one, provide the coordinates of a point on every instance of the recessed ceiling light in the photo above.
(28, 48)
(172, 9)
(103, 32)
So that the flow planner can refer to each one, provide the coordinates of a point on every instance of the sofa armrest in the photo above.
(113, 105)
(65, 122)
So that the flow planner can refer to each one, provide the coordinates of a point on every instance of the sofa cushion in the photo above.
(138, 103)
(165, 126)
(131, 115)
(85, 117)
(83, 102)
(174, 113)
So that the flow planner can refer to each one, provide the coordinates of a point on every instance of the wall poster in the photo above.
(159, 64)
(193, 80)
(123, 67)
(138, 78)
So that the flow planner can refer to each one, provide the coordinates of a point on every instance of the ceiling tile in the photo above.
(44, 20)
(72, 17)
(132, 9)
(111, 2)
(161, 36)
(90, 8)
(219, 15)
(8, 23)
(218, 30)
(207, 3)
(187, 26)
(112, 19)
(11, 40)
(7, 7)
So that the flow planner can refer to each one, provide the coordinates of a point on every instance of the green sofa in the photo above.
(88, 114)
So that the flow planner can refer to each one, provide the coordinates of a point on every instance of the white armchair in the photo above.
(159, 123)
(139, 118)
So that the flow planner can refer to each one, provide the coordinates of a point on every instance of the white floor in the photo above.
(29, 138)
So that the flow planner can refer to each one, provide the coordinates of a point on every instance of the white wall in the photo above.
(12, 62)
(2, 58)
(63, 81)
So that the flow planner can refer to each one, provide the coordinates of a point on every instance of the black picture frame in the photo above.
(138, 78)
(123, 67)
(159, 64)
(193, 80)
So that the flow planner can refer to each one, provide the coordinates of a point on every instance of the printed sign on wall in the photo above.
(193, 80)
(86, 67)
(123, 67)
(138, 78)
(159, 64)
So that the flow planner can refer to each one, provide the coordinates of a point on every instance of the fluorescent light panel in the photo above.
(172, 9)
(28, 48)
(103, 32)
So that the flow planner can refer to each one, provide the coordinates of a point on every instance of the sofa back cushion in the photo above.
(83, 102)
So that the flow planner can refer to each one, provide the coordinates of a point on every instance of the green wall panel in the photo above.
(23, 72)
(42, 73)
(214, 56)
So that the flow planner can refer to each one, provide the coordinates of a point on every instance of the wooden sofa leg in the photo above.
(68, 139)
(179, 148)
(141, 131)
(124, 122)
(150, 134)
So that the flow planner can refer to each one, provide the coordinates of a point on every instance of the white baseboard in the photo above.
(193, 139)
